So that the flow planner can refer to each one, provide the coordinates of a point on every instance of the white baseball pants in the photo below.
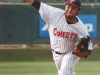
(65, 63)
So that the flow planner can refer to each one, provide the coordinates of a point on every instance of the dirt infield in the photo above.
(35, 46)
(24, 46)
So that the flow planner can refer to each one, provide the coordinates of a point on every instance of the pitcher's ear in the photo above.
(78, 12)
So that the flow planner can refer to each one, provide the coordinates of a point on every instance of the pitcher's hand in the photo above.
(30, 1)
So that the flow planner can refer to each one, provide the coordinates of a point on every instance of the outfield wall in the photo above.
(19, 23)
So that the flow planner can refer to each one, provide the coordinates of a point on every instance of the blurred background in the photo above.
(49, 1)
(24, 38)
(21, 24)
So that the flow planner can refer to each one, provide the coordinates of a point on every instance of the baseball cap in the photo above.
(76, 3)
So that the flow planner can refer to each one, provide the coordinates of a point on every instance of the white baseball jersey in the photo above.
(63, 37)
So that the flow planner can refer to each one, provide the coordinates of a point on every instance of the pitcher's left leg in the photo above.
(67, 65)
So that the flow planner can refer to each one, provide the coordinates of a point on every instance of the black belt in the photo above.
(57, 52)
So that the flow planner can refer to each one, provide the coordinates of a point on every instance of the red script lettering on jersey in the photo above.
(71, 35)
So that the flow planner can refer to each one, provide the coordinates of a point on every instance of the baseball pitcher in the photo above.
(68, 36)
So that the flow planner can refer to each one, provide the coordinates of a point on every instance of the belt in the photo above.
(57, 52)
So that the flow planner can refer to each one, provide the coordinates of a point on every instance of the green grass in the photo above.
(46, 68)
(27, 68)
(39, 62)
(88, 68)
(37, 55)
(25, 55)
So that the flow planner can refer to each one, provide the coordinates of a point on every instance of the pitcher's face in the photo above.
(71, 11)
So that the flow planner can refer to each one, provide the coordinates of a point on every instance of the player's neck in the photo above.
(72, 20)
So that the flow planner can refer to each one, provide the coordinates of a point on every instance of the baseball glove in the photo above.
(81, 47)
